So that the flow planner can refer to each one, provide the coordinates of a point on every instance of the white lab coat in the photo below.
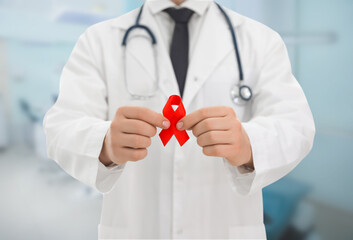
(177, 192)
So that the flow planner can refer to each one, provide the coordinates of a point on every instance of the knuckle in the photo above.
(212, 136)
(117, 112)
(157, 119)
(153, 131)
(206, 151)
(203, 113)
(208, 124)
(216, 150)
(144, 153)
(120, 111)
(135, 155)
(237, 125)
(231, 136)
(136, 141)
(199, 142)
(139, 113)
(229, 109)
(113, 125)
(138, 126)
(194, 131)
(148, 142)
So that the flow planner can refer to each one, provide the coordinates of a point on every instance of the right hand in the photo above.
(130, 134)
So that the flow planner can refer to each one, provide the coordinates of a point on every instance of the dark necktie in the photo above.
(179, 51)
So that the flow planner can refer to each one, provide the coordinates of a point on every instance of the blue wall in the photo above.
(325, 71)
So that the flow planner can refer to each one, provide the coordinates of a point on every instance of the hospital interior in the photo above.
(38, 200)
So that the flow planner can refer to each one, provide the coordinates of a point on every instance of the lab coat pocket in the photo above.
(247, 232)
(105, 232)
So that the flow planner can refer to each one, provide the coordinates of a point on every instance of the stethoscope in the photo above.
(239, 93)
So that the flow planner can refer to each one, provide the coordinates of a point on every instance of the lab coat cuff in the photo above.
(243, 180)
(110, 169)
(240, 178)
(106, 175)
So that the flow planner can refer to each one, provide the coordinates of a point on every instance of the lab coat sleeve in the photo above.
(76, 125)
(281, 130)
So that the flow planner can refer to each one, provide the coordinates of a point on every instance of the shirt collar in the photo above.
(198, 6)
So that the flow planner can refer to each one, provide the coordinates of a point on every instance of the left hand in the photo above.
(220, 133)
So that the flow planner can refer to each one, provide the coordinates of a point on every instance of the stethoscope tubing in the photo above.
(137, 25)
(235, 43)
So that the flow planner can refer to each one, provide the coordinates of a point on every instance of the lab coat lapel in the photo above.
(214, 44)
(167, 80)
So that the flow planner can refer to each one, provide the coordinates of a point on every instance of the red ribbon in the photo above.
(174, 117)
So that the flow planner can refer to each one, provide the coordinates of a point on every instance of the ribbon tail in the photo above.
(165, 135)
(182, 137)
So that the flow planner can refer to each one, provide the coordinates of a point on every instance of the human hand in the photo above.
(220, 133)
(130, 134)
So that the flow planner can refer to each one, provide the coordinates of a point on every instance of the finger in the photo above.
(146, 115)
(211, 124)
(214, 137)
(135, 141)
(192, 119)
(216, 150)
(137, 127)
(134, 154)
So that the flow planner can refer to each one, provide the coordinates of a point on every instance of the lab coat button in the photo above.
(179, 231)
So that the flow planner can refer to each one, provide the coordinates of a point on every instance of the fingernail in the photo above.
(179, 125)
(166, 124)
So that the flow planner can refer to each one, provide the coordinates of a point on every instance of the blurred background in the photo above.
(40, 201)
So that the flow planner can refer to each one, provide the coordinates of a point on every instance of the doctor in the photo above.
(211, 186)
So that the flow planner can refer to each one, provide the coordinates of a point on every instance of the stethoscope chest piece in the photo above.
(241, 95)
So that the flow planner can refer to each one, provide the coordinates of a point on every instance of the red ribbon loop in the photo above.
(174, 117)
